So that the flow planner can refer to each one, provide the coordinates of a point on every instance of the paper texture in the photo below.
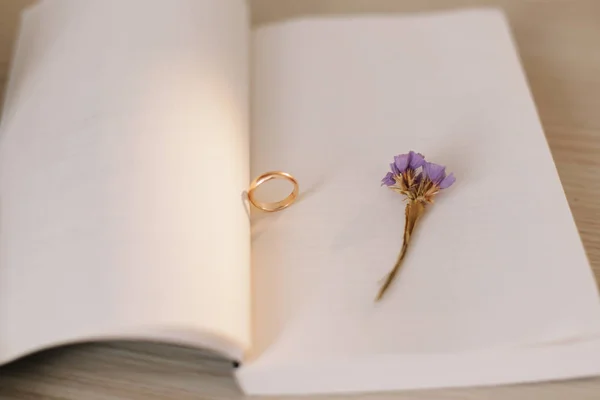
(496, 264)
(123, 156)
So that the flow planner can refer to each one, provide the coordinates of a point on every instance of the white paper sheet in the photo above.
(495, 264)
(123, 156)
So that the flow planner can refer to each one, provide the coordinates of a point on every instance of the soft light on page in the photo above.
(123, 158)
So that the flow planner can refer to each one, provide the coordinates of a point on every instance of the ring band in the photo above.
(277, 206)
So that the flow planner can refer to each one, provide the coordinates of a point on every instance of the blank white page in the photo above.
(123, 156)
(495, 264)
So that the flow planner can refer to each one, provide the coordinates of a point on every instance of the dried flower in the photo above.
(437, 174)
(420, 181)
(404, 176)
(388, 179)
(408, 161)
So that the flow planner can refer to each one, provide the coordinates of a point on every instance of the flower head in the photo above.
(416, 178)
(388, 179)
(403, 170)
(437, 175)
(408, 161)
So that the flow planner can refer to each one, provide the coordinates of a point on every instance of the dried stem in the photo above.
(414, 210)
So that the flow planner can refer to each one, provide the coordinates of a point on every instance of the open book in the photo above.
(132, 128)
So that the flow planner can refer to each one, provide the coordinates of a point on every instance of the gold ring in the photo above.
(277, 206)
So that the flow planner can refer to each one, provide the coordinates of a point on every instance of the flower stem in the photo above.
(414, 211)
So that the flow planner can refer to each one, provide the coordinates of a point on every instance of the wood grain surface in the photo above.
(559, 43)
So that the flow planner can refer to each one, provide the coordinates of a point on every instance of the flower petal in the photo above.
(394, 169)
(401, 162)
(388, 180)
(416, 160)
(447, 181)
(435, 172)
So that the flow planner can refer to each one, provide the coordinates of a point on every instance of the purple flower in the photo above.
(419, 181)
(411, 160)
(447, 181)
(437, 174)
(388, 179)
(403, 170)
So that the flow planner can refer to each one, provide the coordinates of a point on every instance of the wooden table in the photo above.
(559, 42)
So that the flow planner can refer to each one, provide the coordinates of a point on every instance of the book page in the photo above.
(495, 264)
(123, 158)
